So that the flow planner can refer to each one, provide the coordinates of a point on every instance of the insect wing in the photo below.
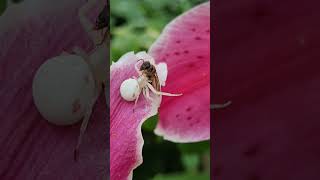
(156, 82)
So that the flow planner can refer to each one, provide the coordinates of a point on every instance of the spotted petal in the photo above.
(31, 148)
(185, 46)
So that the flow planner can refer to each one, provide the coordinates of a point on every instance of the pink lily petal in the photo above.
(31, 148)
(185, 46)
(267, 63)
(125, 127)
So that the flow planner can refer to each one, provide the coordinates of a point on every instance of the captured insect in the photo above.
(148, 80)
(65, 88)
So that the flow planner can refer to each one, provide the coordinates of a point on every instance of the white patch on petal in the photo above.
(162, 71)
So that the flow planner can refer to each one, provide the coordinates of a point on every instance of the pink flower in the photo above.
(32, 148)
(184, 46)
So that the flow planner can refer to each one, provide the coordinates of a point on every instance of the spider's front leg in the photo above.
(137, 69)
(136, 101)
(161, 93)
(147, 95)
(84, 125)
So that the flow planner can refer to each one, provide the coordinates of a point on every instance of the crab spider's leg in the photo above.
(135, 103)
(161, 93)
(220, 106)
(86, 23)
(147, 94)
(84, 125)
(137, 69)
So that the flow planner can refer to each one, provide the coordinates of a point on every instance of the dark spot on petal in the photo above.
(177, 53)
(188, 109)
(167, 54)
(76, 106)
(186, 51)
(193, 29)
(189, 118)
(191, 65)
(252, 150)
(177, 115)
(178, 41)
(200, 57)
(197, 38)
(208, 31)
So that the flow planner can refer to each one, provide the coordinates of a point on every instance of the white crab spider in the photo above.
(131, 88)
(65, 88)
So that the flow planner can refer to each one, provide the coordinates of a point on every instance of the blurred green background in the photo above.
(135, 24)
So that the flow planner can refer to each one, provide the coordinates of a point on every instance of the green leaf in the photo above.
(183, 176)
(150, 124)
(3, 6)
(191, 148)
(191, 162)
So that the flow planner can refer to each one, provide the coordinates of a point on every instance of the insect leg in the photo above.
(161, 93)
(220, 106)
(147, 95)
